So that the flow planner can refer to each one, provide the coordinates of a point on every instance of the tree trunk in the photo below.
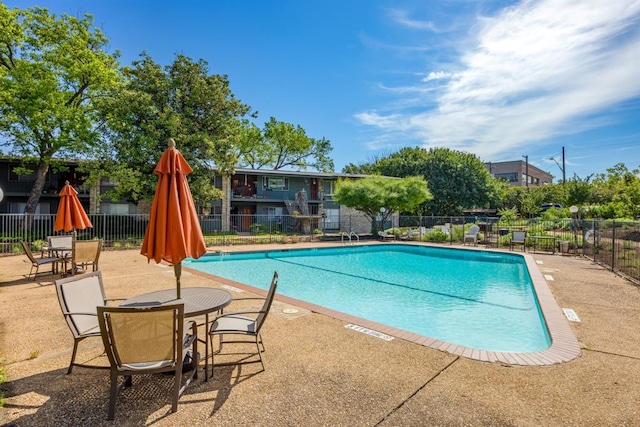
(34, 195)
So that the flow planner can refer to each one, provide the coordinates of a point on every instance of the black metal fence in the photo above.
(613, 244)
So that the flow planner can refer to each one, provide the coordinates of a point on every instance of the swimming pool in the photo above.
(477, 299)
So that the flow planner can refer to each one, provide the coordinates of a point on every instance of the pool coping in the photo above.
(564, 344)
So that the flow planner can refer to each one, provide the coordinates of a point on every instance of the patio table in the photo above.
(197, 302)
(64, 253)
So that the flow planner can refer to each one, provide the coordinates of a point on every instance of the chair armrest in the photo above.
(235, 313)
(247, 298)
(69, 313)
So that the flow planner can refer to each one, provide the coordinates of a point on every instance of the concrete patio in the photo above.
(321, 373)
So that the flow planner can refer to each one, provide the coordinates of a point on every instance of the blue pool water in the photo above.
(477, 299)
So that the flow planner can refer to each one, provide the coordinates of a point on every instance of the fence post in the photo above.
(613, 246)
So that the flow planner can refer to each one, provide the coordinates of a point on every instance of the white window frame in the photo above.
(275, 183)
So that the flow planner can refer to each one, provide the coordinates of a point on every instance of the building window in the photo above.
(332, 219)
(510, 177)
(274, 212)
(41, 209)
(329, 186)
(275, 183)
(115, 208)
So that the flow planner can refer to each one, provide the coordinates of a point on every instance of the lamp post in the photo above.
(526, 169)
(574, 212)
(561, 169)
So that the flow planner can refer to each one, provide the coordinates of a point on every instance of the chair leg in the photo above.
(176, 387)
(258, 340)
(211, 350)
(113, 394)
(73, 356)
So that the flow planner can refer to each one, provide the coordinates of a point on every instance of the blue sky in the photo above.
(498, 79)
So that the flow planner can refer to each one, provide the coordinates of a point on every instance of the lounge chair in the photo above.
(410, 235)
(384, 235)
(519, 238)
(85, 254)
(37, 262)
(79, 297)
(236, 323)
(147, 340)
(472, 235)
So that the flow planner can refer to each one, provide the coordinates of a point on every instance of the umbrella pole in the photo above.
(177, 269)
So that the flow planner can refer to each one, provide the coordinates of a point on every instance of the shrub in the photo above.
(508, 214)
(436, 236)
(38, 245)
(257, 228)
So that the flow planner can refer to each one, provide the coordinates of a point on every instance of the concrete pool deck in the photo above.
(320, 373)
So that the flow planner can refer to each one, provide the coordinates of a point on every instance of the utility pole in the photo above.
(564, 173)
(526, 169)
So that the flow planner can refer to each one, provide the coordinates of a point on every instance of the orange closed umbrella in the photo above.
(71, 214)
(173, 233)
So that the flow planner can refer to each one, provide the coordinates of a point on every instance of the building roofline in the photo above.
(282, 172)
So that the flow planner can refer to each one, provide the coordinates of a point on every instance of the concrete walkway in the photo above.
(321, 373)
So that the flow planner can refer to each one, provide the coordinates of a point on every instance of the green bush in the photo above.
(38, 245)
(508, 214)
(436, 236)
(257, 228)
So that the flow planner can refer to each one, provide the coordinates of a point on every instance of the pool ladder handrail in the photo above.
(352, 233)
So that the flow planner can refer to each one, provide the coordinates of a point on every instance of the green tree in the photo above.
(180, 101)
(619, 192)
(579, 191)
(457, 180)
(52, 70)
(531, 200)
(279, 145)
(368, 195)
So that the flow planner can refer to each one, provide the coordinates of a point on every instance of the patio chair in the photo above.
(60, 246)
(147, 340)
(472, 235)
(85, 254)
(519, 237)
(79, 296)
(37, 262)
(237, 323)
(384, 235)
(410, 235)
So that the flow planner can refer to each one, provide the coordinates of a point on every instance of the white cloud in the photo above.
(401, 17)
(535, 70)
(437, 75)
